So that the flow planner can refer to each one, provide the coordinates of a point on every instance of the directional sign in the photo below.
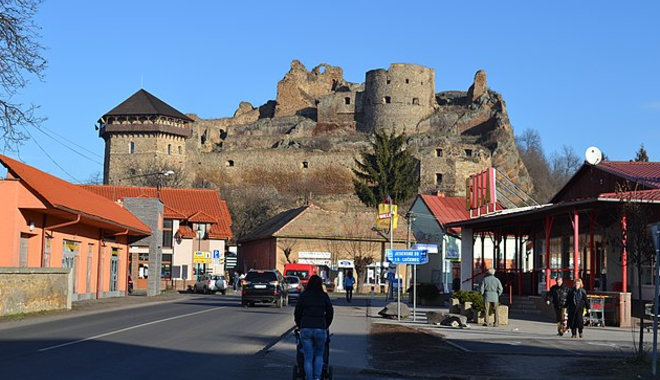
(200, 257)
(407, 256)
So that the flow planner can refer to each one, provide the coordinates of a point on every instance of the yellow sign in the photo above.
(383, 222)
(201, 257)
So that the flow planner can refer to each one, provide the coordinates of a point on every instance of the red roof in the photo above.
(196, 205)
(646, 173)
(185, 232)
(446, 209)
(640, 195)
(73, 199)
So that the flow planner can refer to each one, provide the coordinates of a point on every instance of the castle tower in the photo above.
(142, 134)
(397, 98)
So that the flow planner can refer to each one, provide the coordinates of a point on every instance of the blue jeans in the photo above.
(313, 341)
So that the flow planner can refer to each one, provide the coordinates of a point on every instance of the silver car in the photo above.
(211, 284)
(295, 286)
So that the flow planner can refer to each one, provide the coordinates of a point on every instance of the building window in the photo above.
(229, 163)
(304, 165)
(88, 277)
(387, 99)
(388, 81)
(131, 147)
(167, 233)
(438, 179)
(438, 152)
(468, 152)
(407, 81)
(169, 149)
(180, 149)
(47, 251)
(416, 101)
(347, 100)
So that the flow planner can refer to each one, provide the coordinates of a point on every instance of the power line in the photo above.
(71, 142)
(48, 155)
(69, 148)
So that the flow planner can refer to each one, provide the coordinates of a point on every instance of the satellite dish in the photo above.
(593, 155)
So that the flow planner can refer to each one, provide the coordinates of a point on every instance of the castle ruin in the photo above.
(317, 126)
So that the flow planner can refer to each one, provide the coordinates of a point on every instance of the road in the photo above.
(191, 338)
(197, 336)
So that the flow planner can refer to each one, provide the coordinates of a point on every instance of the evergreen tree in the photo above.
(390, 169)
(641, 155)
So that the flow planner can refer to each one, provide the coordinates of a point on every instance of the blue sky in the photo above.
(581, 73)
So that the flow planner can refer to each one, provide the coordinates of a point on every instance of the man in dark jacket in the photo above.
(313, 316)
(558, 294)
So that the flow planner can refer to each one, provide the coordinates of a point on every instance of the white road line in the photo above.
(127, 329)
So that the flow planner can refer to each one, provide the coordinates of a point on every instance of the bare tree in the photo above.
(531, 153)
(359, 247)
(287, 246)
(156, 172)
(95, 179)
(20, 57)
(563, 165)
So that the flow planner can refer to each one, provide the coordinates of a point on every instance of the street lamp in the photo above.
(200, 234)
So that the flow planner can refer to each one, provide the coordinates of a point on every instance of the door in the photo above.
(70, 251)
(114, 271)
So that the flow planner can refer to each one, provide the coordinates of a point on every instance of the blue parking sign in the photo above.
(216, 253)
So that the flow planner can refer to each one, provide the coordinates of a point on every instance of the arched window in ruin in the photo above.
(438, 152)
(416, 101)
(304, 164)
(387, 100)
(229, 163)
(347, 100)
(407, 80)
(468, 152)
(131, 147)
(388, 80)
(169, 149)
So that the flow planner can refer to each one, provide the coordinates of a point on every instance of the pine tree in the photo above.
(390, 169)
(641, 155)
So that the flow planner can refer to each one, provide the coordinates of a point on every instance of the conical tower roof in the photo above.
(144, 103)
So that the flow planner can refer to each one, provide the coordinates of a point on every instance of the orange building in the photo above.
(48, 222)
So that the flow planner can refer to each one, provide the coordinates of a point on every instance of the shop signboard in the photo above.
(345, 264)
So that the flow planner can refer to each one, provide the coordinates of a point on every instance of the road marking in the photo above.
(127, 329)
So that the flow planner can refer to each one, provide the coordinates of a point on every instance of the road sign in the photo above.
(200, 257)
(407, 256)
(216, 254)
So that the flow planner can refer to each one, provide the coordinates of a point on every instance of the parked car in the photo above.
(264, 286)
(210, 284)
(295, 287)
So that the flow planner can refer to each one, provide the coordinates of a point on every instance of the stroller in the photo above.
(299, 367)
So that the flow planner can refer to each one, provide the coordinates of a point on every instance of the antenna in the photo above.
(593, 155)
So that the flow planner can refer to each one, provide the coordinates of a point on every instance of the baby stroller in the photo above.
(299, 367)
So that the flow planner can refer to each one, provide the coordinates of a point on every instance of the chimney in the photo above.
(440, 194)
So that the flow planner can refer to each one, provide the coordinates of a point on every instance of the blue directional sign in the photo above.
(407, 256)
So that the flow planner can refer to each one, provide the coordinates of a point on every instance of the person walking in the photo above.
(313, 316)
(349, 282)
(577, 301)
(491, 289)
(558, 295)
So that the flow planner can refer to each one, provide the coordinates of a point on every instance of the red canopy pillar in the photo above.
(624, 254)
(592, 253)
(576, 245)
(548, 229)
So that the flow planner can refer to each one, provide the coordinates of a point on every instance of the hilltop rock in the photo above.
(479, 86)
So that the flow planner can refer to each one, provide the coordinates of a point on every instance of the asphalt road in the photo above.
(195, 338)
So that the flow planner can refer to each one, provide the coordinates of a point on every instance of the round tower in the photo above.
(398, 98)
(143, 135)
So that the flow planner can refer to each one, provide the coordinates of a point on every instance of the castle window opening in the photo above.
(304, 165)
(169, 149)
(416, 101)
(438, 152)
(347, 100)
(388, 80)
(229, 163)
(468, 152)
(407, 81)
(180, 149)
(438, 179)
(387, 99)
(131, 147)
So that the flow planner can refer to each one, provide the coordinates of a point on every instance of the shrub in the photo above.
(472, 296)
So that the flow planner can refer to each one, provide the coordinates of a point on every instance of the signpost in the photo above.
(407, 256)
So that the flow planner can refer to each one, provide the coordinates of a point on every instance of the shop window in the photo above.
(387, 100)
(131, 147)
(438, 152)
(347, 100)
(415, 101)
(468, 152)
(438, 179)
